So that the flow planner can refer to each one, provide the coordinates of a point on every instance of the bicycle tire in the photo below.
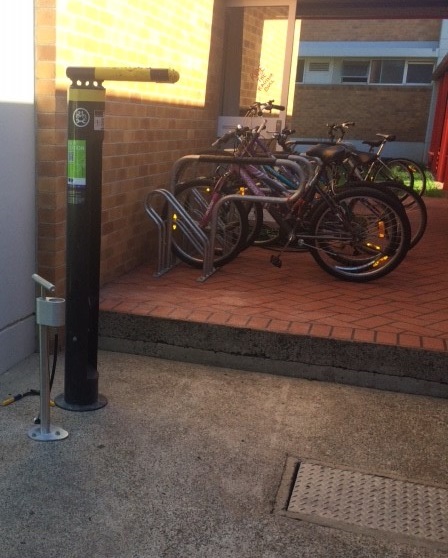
(363, 236)
(412, 202)
(418, 173)
(254, 211)
(231, 230)
(268, 235)
(267, 231)
(396, 171)
(254, 216)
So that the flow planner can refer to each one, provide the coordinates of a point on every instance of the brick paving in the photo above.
(407, 308)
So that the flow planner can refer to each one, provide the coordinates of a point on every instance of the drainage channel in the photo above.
(354, 501)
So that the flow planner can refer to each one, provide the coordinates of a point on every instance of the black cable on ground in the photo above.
(55, 359)
(14, 398)
(19, 396)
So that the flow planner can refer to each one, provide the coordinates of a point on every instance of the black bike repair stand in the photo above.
(86, 105)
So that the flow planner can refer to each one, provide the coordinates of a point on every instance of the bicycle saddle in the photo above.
(377, 143)
(373, 143)
(328, 153)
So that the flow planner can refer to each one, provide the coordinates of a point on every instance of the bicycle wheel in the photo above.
(254, 211)
(417, 171)
(269, 234)
(254, 216)
(363, 235)
(413, 204)
(415, 209)
(231, 230)
(396, 171)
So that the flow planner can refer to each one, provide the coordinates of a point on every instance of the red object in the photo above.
(438, 153)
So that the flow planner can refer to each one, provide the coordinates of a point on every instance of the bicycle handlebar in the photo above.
(259, 108)
(224, 138)
(238, 131)
(275, 107)
(341, 128)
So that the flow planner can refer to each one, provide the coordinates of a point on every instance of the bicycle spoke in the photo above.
(370, 235)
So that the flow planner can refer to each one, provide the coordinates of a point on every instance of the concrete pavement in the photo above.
(186, 460)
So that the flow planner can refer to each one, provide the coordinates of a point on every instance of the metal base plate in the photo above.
(54, 433)
(63, 404)
(370, 504)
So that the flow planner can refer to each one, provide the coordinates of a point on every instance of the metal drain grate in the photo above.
(356, 501)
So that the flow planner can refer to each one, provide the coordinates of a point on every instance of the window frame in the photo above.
(417, 63)
(300, 70)
(336, 68)
(345, 79)
(382, 70)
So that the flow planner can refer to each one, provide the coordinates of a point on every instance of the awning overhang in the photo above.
(395, 49)
(380, 9)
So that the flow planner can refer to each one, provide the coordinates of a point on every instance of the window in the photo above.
(384, 71)
(300, 70)
(355, 71)
(387, 71)
(419, 72)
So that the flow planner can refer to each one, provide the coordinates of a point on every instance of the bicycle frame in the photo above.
(248, 174)
(295, 204)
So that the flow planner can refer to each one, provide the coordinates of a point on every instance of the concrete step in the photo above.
(386, 367)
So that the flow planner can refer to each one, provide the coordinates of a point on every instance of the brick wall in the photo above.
(250, 64)
(371, 30)
(261, 79)
(393, 110)
(147, 126)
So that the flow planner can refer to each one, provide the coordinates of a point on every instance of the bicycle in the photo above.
(356, 234)
(248, 142)
(362, 167)
(372, 167)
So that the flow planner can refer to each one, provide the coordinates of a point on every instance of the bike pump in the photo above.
(50, 312)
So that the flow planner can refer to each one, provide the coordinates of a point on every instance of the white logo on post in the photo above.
(81, 117)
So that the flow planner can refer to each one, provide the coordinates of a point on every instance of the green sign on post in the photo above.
(76, 171)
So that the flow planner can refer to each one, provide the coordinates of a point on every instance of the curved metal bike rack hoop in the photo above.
(188, 226)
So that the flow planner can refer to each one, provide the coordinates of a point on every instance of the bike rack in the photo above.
(165, 260)
(187, 225)
(214, 220)
(236, 161)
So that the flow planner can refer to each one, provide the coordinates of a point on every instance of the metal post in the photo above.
(86, 104)
(49, 312)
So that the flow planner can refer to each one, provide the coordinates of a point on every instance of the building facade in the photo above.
(148, 126)
(376, 73)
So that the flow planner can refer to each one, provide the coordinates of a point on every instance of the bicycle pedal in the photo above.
(276, 261)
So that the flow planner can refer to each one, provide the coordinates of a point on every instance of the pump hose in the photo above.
(13, 399)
